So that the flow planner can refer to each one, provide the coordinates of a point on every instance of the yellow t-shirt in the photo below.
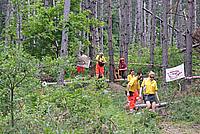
(134, 84)
(102, 59)
(130, 77)
(151, 86)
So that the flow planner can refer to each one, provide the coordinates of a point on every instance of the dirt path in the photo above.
(172, 128)
(116, 87)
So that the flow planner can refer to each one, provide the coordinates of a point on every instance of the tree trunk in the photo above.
(130, 8)
(140, 28)
(101, 28)
(46, 3)
(131, 21)
(94, 30)
(128, 29)
(149, 23)
(111, 59)
(92, 36)
(64, 43)
(122, 27)
(12, 106)
(140, 21)
(145, 27)
(180, 25)
(161, 33)
(87, 6)
(170, 22)
(165, 43)
(195, 14)
(19, 24)
(9, 13)
(174, 22)
(153, 31)
(188, 60)
(135, 30)
(80, 34)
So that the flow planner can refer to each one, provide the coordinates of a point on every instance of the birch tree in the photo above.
(64, 43)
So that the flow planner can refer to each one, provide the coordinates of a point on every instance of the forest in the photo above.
(47, 87)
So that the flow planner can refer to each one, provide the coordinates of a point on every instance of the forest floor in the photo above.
(179, 128)
(166, 127)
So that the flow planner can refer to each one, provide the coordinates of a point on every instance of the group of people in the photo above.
(119, 72)
(138, 89)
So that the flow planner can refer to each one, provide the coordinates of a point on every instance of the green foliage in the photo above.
(17, 74)
(77, 108)
(43, 29)
(16, 67)
(186, 110)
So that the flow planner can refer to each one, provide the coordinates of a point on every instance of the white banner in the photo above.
(84, 61)
(175, 73)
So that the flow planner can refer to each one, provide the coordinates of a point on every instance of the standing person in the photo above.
(81, 62)
(100, 65)
(150, 92)
(132, 91)
(129, 78)
(143, 89)
(122, 68)
(131, 75)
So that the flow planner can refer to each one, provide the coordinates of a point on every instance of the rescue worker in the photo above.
(132, 91)
(150, 92)
(100, 65)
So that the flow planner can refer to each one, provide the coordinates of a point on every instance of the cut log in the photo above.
(163, 104)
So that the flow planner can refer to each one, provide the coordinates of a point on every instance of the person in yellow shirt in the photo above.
(150, 91)
(131, 75)
(100, 65)
(132, 91)
(143, 88)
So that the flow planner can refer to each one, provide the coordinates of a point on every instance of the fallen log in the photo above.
(44, 83)
(163, 104)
